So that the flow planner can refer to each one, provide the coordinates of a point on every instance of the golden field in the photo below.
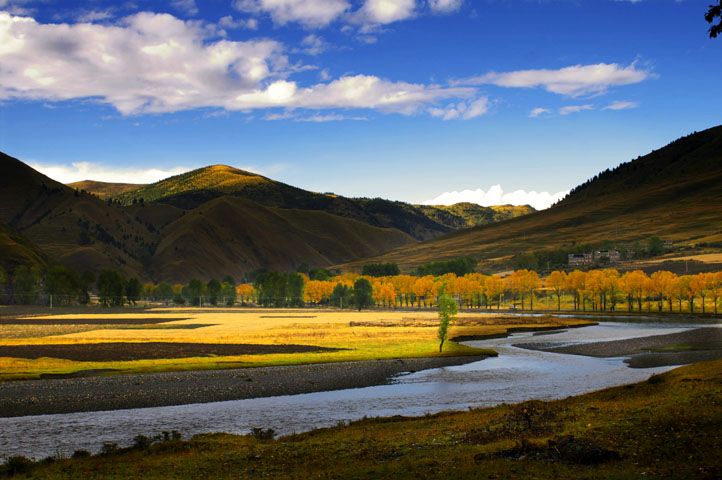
(364, 335)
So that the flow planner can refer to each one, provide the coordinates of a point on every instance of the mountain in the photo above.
(104, 189)
(674, 192)
(44, 221)
(193, 189)
(76, 229)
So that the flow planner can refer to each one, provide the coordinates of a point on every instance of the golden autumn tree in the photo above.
(423, 288)
(494, 288)
(633, 284)
(556, 282)
(576, 283)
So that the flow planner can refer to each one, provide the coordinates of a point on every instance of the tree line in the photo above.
(593, 290)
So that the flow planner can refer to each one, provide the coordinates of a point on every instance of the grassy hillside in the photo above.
(16, 250)
(203, 241)
(674, 192)
(465, 214)
(104, 189)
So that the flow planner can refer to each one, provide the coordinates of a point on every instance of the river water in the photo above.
(514, 376)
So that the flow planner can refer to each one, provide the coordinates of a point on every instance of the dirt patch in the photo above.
(566, 449)
(89, 321)
(121, 351)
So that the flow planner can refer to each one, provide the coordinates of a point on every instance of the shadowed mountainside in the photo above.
(47, 221)
(674, 192)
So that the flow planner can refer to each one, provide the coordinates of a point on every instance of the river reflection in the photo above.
(516, 375)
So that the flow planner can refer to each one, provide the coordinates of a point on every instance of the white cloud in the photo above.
(229, 22)
(313, 45)
(186, 6)
(621, 105)
(381, 12)
(571, 81)
(445, 6)
(539, 111)
(575, 109)
(311, 13)
(318, 118)
(94, 16)
(78, 171)
(463, 110)
(155, 63)
(496, 196)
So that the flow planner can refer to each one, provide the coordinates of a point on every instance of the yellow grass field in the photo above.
(363, 336)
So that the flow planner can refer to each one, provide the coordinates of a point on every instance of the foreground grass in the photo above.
(360, 336)
(669, 426)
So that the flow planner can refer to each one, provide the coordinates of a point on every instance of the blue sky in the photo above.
(414, 100)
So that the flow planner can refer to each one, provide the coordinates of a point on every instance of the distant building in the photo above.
(668, 244)
(613, 256)
(586, 259)
(580, 259)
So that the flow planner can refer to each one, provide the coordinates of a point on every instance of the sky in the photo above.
(423, 101)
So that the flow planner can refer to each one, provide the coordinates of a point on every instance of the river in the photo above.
(514, 376)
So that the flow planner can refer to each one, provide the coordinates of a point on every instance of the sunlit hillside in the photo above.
(674, 192)
(104, 189)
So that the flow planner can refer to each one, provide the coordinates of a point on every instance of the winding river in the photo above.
(515, 375)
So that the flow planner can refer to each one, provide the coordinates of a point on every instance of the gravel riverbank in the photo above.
(94, 393)
(691, 346)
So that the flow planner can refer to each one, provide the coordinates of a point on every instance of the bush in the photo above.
(17, 465)
(261, 434)
(80, 454)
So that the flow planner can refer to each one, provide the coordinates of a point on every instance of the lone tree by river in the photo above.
(448, 309)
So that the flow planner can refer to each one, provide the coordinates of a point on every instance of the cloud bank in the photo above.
(496, 196)
(157, 63)
(571, 81)
(79, 171)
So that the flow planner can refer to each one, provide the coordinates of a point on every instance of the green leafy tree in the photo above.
(320, 274)
(655, 246)
(194, 291)
(62, 285)
(133, 287)
(214, 291)
(380, 270)
(448, 308)
(362, 293)
(295, 286)
(271, 288)
(228, 293)
(714, 12)
(341, 295)
(163, 292)
(111, 288)
(25, 285)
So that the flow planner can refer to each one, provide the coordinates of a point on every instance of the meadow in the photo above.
(335, 335)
